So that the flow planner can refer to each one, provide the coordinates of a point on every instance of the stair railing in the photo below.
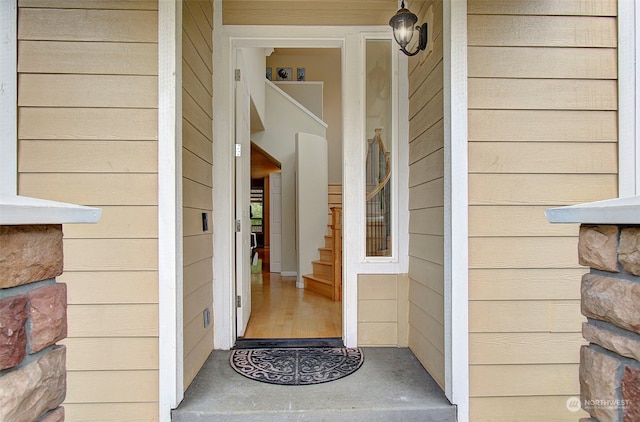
(336, 231)
(378, 196)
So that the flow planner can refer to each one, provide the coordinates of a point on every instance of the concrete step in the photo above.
(390, 386)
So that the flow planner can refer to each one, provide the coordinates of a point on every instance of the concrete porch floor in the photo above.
(391, 385)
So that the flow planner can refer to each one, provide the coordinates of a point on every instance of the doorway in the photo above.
(350, 44)
(280, 306)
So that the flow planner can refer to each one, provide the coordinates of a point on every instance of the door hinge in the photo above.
(238, 150)
(236, 75)
(238, 301)
(238, 226)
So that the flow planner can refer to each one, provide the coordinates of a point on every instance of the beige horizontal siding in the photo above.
(426, 142)
(428, 221)
(114, 287)
(504, 220)
(112, 387)
(119, 320)
(111, 412)
(559, 125)
(497, 93)
(197, 174)
(427, 274)
(122, 91)
(317, 12)
(92, 188)
(525, 283)
(382, 309)
(551, 63)
(544, 7)
(529, 380)
(107, 58)
(524, 348)
(71, 156)
(540, 189)
(88, 25)
(111, 254)
(88, 123)
(88, 135)
(547, 408)
(537, 157)
(112, 354)
(542, 133)
(548, 31)
(92, 4)
(426, 198)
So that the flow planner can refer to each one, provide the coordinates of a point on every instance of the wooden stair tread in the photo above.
(322, 262)
(318, 279)
(322, 279)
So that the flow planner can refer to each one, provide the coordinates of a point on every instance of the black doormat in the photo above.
(269, 343)
(296, 366)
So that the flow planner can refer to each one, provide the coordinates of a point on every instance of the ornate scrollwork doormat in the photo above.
(296, 366)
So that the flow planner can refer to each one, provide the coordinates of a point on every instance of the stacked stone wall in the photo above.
(32, 320)
(610, 299)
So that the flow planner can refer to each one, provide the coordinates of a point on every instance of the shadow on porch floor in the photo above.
(391, 385)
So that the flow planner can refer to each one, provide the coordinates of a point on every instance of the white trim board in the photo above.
(456, 292)
(628, 98)
(170, 265)
(9, 97)
(610, 211)
(16, 210)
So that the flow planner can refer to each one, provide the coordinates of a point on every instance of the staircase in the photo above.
(327, 271)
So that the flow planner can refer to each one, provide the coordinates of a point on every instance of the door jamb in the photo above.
(170, 261)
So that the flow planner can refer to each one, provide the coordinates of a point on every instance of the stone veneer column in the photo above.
(610, 299)
(32, 319)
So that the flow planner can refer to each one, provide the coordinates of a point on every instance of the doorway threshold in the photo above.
(268, 343)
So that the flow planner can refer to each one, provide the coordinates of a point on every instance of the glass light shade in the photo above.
(403, 24)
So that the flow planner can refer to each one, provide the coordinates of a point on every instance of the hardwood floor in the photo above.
(280, 310)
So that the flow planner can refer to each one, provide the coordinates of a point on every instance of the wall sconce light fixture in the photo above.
(403, 28)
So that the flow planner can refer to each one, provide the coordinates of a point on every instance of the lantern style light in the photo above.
(403, 24)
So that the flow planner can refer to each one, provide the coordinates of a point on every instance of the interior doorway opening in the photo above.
(289, 300)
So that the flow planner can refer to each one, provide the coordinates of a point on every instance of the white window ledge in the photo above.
(611, 211)
(17, 210)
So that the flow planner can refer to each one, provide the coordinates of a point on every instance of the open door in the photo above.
(242, 201)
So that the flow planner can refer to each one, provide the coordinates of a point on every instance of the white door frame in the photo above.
(350, 40)
(229, 38)
(242, 189)
(170, 260)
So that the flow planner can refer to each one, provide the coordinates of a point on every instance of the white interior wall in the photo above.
(312, 197)
(255, 62)
(278, 139)
(309, 94)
